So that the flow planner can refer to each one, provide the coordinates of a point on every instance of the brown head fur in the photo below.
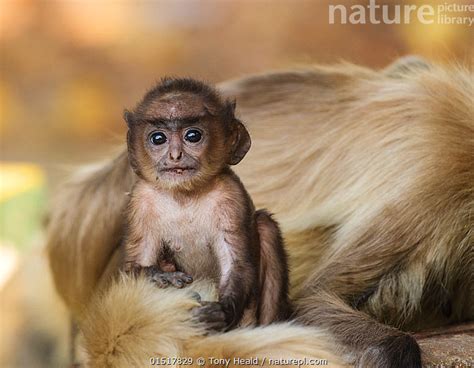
(158, 128)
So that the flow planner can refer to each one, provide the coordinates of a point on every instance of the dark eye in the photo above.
(193, 135)
(157, 138)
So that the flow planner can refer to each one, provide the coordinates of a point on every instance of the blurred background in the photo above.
(69, 68)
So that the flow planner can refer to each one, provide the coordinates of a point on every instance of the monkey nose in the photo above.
(176, 156)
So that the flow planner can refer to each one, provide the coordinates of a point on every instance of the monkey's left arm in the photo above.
(238, 281)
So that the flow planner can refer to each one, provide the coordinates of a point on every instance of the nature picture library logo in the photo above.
(373, 13)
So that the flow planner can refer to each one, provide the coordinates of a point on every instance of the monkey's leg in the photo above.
(274, 304)
(237, 287)
(325, 302)
(365, 342)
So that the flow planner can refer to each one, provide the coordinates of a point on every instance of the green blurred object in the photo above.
(22, 199)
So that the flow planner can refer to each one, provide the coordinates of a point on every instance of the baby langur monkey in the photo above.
(190, 216)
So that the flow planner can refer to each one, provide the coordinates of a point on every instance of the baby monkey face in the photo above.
(183, 134)
(177, 148)
(177, 141)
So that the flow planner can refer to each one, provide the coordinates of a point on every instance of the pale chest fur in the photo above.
(189, 228)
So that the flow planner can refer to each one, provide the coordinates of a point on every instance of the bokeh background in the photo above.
(69, 68)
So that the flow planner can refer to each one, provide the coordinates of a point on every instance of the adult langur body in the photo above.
(371, 176)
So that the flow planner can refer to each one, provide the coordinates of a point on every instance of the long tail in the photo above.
(278, 345)
(135, 324)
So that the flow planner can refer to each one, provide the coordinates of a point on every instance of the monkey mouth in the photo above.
(178, 170)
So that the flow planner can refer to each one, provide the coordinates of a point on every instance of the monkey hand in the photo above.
(212, 315)
(165, 279)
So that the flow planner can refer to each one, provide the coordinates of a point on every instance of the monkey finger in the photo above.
(177, 283)
(161, 281)
(208, 325)
(215, 327)
(183, 277)
(178, 279)
(188, 279)
(211, 314)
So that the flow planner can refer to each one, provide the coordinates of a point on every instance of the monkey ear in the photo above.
(128, 117)
(240, 144)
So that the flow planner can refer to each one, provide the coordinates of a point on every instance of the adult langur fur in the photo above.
(371, 176)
